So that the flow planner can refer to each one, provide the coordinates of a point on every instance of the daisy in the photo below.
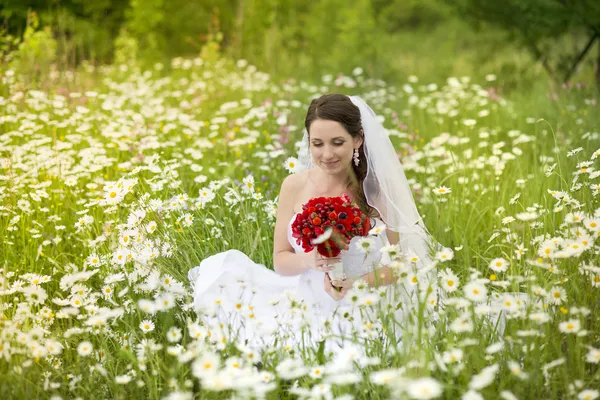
(475, 291)
(174, 334)
(515, 369)
(123, 379)
(472, 395)
(557, 295)
(547, 248)
(316, 372)
(520, 251)
(424, 388)
(292, 165)
(507, 220)
(592, 224)
(365, 244)
(85, 348)
(206, 365)
(453, 356)
(412, 257)
(588, 394)
(377, 230)
(442, 190)
(147, 326)
(446, 254)
(570, 326)
(391, 250)
(449, 280)
(575, 217)
(499, 265)
(593, 356)
(484, 378)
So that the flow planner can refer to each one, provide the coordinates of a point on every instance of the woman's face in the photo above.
(331, 146)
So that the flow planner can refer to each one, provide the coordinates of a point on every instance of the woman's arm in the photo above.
(285, 260)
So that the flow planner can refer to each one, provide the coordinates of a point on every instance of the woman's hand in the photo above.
(314, 260)
(336, 294)
(345, 284)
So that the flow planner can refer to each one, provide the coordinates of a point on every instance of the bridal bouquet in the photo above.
(329, 223)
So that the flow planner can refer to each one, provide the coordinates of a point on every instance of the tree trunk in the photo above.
(239, 29)
(580, 57)
(598, 68)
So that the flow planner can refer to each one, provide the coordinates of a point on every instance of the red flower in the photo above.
(345, 218)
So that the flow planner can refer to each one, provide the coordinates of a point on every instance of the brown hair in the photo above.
(339, 108)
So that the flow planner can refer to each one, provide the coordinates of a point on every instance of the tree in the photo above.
(539, 26)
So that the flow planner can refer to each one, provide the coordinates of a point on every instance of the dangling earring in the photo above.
(356, 159)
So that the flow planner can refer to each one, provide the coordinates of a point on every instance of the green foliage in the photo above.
(126, 48)
(540, 26)
(36, 52)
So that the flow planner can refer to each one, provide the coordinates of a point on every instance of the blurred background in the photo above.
(523, 42)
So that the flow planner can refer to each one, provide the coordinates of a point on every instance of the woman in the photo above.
(349, 152)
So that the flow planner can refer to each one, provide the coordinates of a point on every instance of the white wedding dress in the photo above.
(254, 304)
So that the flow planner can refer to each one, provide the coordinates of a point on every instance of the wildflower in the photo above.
(570, 326)
(499, 265)
(593, 355)
(365, 244)
(484, 378)
(292, 165)
(453, 356)
(592, 225)
(588, 394)
(546, 249)
(520, 251)
(515, 369)
(123, 379)
(507, 220)
(392, 251)
(377, 230)
(574, 217)
(446, 254)
(147, 326)
(472, 395)
(174, 334)
(539, 317)
(462, 324)
(248, 184)
(506, 395)
(85, 349)
(206, 365)
(527, 216)
(424, 388)
(475, 291)
(449, 280)
(316, 372)
(442, 190)
(557, 295)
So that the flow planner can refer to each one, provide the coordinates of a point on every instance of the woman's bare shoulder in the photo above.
(296, 181)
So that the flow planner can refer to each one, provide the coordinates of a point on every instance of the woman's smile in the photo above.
(331, 164)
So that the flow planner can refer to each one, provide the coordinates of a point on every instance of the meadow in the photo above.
(112, 192)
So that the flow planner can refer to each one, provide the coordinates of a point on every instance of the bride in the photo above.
(346, 151)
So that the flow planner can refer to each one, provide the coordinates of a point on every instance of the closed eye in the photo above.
(321, 144)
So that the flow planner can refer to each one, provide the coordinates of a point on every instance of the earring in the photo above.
(355, 157)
